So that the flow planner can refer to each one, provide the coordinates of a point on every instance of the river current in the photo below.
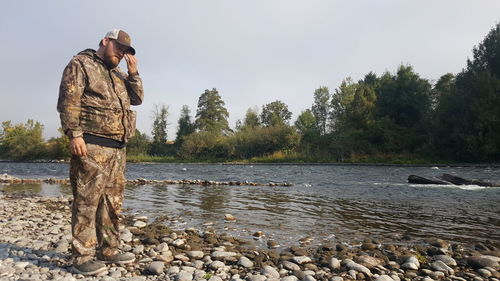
(327, 203)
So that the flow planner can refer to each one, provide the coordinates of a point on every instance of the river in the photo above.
(327, 203)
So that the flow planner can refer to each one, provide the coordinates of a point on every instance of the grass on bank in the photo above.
(293, 157)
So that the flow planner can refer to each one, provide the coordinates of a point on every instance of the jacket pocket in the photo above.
(102, 121)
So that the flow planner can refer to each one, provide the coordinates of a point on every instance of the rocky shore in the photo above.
(35, 240)
(8, 179)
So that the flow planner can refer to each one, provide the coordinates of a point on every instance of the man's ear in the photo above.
(105, 42)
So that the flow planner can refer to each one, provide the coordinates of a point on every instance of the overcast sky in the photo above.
(253, 52)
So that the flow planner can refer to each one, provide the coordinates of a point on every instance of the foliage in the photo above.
(205, 144)
(275, 113)
(321, 108)
(22, 141)
(251, 119)
(258, 141)
(58, 148)
(139, 144)
(467, 116)
(185, 125)
(211, 115)
(306, 123)
(159, 131)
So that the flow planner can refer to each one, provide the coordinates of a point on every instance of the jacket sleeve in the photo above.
(70, 94)
(134, 89)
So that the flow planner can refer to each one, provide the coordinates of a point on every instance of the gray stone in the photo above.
(188, 269)
(138, 249)
(195, 254)
(484, 272)
(181, 257)
(216, 265)
(156, 267)
(215, 278)
(384, 278)
(413, 260)
(301, 259)
(126, 236)
(62, 246)
(198, 264)
(173, 270)
(436, 275)
(179, 243)
(289, 278)
(163, 247)
(478, 262)
(357, 267)
(21, 264)
(270, 271)
(256, 278)
(309, 278)
(441, 266)
(140, 224)
(164, 258)
(184, 276)
(369, 262)
(223, 254)
(449, 261)
(137, 278)
(290, 265)
(245, 262)
(410, 266)
(337, 278)
(334, 264)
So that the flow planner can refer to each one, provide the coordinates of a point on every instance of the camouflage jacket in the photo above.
(96, 100)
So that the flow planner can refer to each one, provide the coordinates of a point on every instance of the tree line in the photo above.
(393, 116)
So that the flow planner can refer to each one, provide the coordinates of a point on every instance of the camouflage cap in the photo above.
(121, 37)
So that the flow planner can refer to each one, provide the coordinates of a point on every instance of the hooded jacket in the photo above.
(94, 99)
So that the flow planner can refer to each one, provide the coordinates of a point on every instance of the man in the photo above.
(94, 106)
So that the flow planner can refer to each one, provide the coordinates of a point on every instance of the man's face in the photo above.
(113, 53)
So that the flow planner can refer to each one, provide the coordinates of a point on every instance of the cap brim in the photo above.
(130, 49)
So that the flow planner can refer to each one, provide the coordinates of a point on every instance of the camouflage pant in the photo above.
(98, 182)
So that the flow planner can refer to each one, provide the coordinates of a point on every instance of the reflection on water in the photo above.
(42, 189)
(348, 203)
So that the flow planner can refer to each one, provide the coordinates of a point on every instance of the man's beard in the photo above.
(110, 61)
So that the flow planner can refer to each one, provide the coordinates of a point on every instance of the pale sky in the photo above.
(253, 52)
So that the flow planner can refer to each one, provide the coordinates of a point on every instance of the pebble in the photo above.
(290, 265)
(350, 264)
(195, 254)
(334, 264)
(289, 278)
(140, 224)
(184, 276)
(223, 254)
(216, 265)
(301, 259)
(449, 261)
(441, 266)
(483, 261)
(229, 217)
(384, 278)
(156, 267)
(245, 262)
(309, 278)
(270, 272)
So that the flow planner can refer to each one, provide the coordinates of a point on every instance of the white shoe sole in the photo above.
(88, 273)
(119, 262)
